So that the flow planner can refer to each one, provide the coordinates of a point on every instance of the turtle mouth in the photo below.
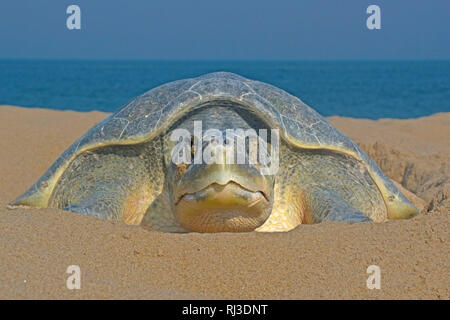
(230, 192)
(223, 207)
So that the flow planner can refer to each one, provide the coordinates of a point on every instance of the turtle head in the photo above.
(215, 186)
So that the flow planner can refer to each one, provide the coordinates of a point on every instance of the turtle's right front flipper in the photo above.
(97, 206)
(114, 183)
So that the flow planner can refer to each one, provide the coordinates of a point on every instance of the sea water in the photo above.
(360, 89)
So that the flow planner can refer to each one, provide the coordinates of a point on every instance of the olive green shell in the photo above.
(155, 111)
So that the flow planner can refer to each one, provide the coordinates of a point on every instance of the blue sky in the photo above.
(231, 29)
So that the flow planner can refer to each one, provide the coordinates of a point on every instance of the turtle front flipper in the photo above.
(322, 204)
(114, 182)
(308, 204)
(94, 206)
(111, 203)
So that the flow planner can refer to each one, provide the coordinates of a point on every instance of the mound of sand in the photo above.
(313, 261)
(414, 152)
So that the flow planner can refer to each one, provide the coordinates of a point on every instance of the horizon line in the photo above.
(228, 60)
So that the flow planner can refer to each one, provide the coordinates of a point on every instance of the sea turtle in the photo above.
(123, 168)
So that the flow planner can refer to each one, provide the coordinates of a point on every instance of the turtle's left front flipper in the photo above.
(322, 204)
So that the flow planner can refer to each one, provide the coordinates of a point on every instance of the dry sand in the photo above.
(313, 261)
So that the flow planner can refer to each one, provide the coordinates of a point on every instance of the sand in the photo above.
(327, 261)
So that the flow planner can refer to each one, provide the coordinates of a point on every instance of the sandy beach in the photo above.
(324, 261)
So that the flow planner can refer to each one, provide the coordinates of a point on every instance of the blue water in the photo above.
(361, 89)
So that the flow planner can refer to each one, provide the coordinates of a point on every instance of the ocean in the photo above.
(359, 89)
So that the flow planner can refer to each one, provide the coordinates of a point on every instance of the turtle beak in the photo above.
(223, 197)
(201, 176)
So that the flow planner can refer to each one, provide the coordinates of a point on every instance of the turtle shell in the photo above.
(150, 114)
